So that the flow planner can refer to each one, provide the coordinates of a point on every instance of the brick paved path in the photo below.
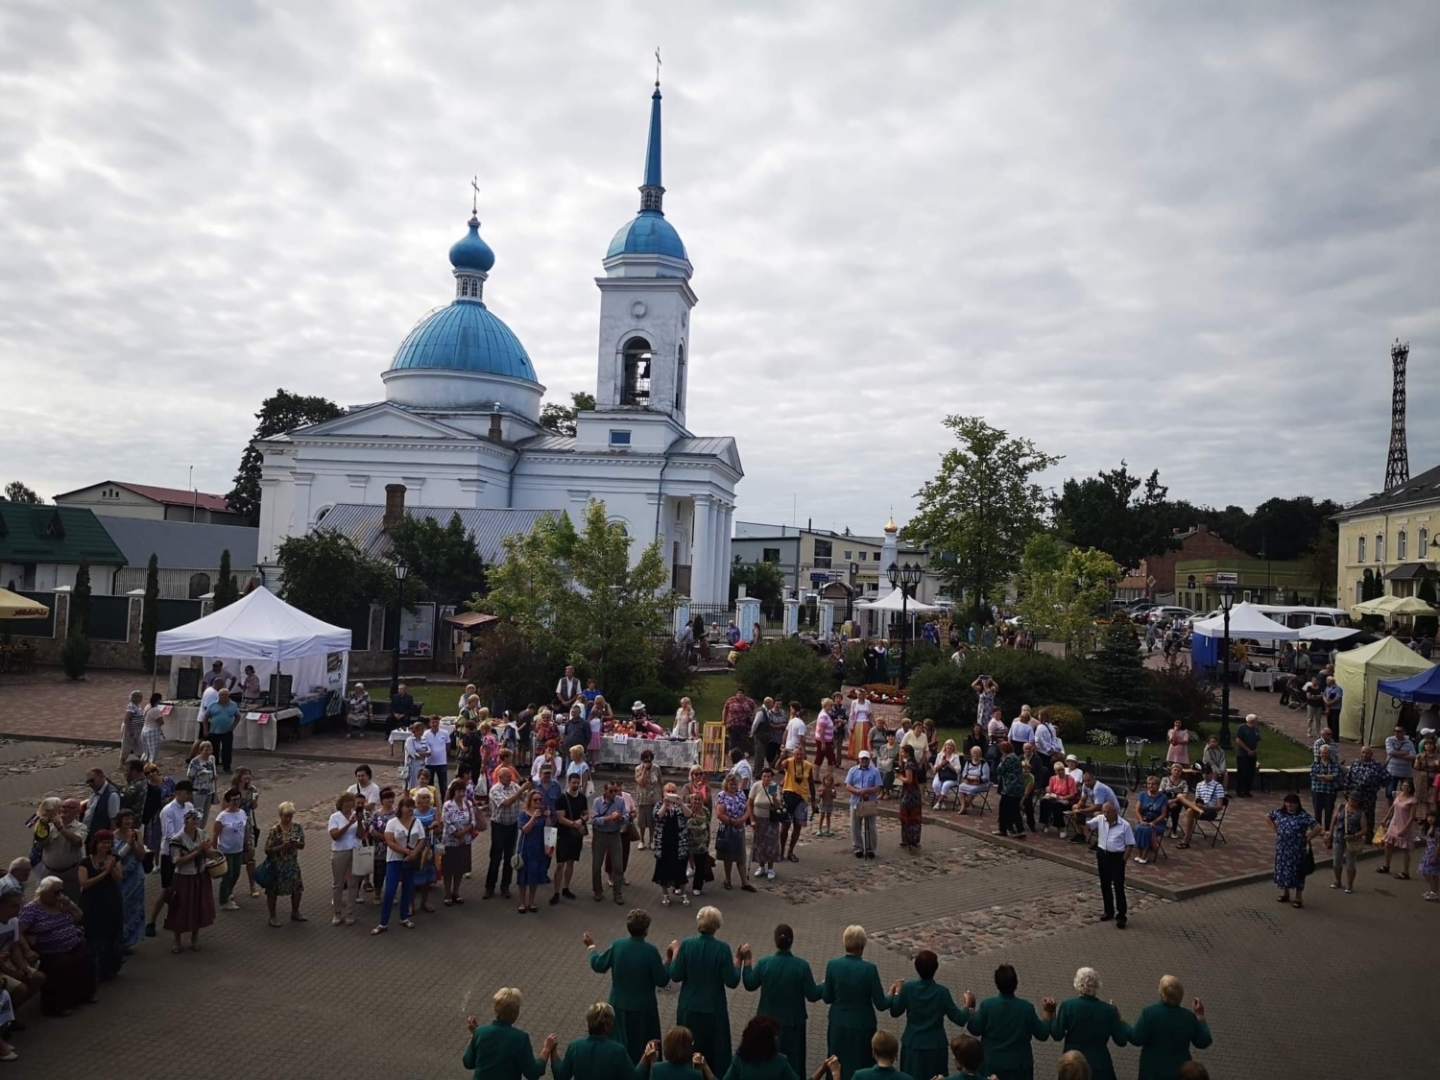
(316, 1000)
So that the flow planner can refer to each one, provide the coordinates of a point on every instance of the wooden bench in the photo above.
(1294, 778)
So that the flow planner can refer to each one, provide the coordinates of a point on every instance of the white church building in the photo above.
(459, 427)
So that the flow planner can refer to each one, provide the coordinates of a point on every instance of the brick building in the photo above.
(1155, 577)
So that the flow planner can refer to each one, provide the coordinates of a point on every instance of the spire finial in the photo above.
(652, 191)
(475, 196)
(657, 67)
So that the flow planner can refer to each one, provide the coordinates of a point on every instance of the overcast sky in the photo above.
(1182, 235)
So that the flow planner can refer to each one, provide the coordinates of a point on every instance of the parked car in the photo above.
(1163, 616)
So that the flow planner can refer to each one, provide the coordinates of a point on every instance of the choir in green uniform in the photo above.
(704, 968)
(924, 1049)
(636, 972)
(785, 983)
(854, 993)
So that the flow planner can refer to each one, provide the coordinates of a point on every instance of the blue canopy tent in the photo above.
(1424, 687)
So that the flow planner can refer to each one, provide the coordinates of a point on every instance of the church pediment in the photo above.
(384, 421)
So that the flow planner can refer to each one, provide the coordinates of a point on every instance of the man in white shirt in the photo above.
(1047, 740)
(567, 690)
(210, 696)
(1094, 795)
(438, 743)
(795, 729)
(1206, 805)
(172, 823)
(1021, 730)
(740, 768)
(219, 676)
(1115, 840)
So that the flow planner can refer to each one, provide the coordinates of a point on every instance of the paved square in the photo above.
(313, 999)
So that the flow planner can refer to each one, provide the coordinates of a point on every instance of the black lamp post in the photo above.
(1227, 598)
(400, 571)
(905, 578)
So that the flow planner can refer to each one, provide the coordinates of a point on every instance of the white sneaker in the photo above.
(759, 872)
(770, 875)
(1428, 895)
(230, 905)
(1139, 860)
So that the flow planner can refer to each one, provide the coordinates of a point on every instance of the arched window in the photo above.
(1360, 549)
(638, 357)
(680, 377)
(1379, 547)
(1400, 545)
(199, 585)
(1424, 552)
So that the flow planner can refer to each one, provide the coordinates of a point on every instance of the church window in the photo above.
(680, 377)
(638, 357)
(619, 438)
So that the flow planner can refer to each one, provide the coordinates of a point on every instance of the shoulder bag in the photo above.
(868, 808)
(265, 874)
(362, 861)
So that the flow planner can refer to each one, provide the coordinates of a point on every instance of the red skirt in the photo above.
(192, 904)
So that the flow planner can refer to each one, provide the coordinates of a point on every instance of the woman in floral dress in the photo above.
(765, 804)
(732, 812)
(282, 848)
(1294, 829)
(130, 850)
(244, 782)
(985, 689)
(428, 815)
(202, 779)
(912, 815)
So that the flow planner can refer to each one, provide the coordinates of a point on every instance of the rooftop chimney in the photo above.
(394, 507)
(495, 434)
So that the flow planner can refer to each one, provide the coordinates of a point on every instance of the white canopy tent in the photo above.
(1318, 632)
(874, 615)
(1247, 622)
(264, 632)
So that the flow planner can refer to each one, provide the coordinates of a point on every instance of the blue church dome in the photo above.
(472, 253)
(648, 234)
(464, 337)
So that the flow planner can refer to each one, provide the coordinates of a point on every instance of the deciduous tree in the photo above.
(444, 557)
(1061, 592)
(981, 507)
(325, 574)
(279, 413)
(561, 418)
(17, 492)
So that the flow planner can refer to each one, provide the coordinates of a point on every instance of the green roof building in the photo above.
(41, 547)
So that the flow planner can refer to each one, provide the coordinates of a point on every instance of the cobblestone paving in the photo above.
(311, 999)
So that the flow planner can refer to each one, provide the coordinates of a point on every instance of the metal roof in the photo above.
(54, 534)
(1424, 488)
(181, 545)
(464, 336)
(167, 496)
(363, 525)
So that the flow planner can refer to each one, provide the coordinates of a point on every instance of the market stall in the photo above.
(1367, 712)
(263, 632)
(681, 754)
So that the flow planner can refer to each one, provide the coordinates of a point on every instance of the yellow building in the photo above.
(1395, 535)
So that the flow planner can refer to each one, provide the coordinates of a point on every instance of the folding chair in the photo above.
(1216, 830)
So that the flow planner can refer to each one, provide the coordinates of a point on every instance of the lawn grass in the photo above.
(1276, 751)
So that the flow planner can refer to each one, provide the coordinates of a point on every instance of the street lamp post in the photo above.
(400, 571)
(905, 578)
(1227, 598)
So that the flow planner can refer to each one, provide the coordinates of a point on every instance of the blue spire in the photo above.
(652, 192)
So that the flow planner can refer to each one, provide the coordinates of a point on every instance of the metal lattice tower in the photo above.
(1397, 465)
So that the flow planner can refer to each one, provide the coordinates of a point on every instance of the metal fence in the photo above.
(109, 618)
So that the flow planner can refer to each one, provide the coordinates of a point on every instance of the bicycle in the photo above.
(1133, 749)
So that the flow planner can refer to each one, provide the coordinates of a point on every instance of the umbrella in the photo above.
(1394, 605)
(14, 606)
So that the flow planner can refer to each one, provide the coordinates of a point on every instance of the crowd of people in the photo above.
(624, 1034)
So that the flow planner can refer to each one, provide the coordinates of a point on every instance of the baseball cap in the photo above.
(1072, 757)
(865, 753)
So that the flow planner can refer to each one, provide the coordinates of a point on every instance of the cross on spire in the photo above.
(475, 196)
(657, 67)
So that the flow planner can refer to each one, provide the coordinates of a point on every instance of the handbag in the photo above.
(265, 874)
(632, 832)
(868, 808)
(1307, 861)
(1378, 840)
(362, 861)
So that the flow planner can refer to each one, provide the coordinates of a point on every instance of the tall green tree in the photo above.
(1117, 671)
(150, 616)
(325, 574)
(762, 580)
(443, 557)
(1116, 512)
(561, 418)
(226, 590)
(1321, 559)
(80, 598)
(577, 598)
(279, 413)
(981, 507)
(1061, 592)
(17, 492)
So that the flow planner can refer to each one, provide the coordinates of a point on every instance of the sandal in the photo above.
(447, 901)
(409, 924)
(176, 950)
(1182, 847)
(299, 918)
(793, 857)
(1383, 869)
(379, 930)
(727, 885)
(275, 923)
(1402, 877)
(747, 887)
(427, 908)
(1298, 904)
(194, 948)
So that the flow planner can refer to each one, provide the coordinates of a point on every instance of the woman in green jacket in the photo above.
(674, 1059)
(924, 1050)
(500, 1050)
(1005, 1024)
(598, 1056)
(854, 993)
(758, 1056)
(1087, 1024)
(1166, 1030)
(969, 1056)
(636, 972)
(785, 983)
(704, 967)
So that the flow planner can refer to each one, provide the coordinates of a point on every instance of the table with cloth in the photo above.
(253, 731)
(680, 754)
(1260, 680)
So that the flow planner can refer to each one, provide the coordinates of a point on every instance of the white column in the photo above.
(701, 559)
(717, 567)
(727, 522)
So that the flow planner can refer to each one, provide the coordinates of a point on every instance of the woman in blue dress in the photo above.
(1294, 829)
(534, 855)
(1152, 807)
(130, 850)
(428, 815)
